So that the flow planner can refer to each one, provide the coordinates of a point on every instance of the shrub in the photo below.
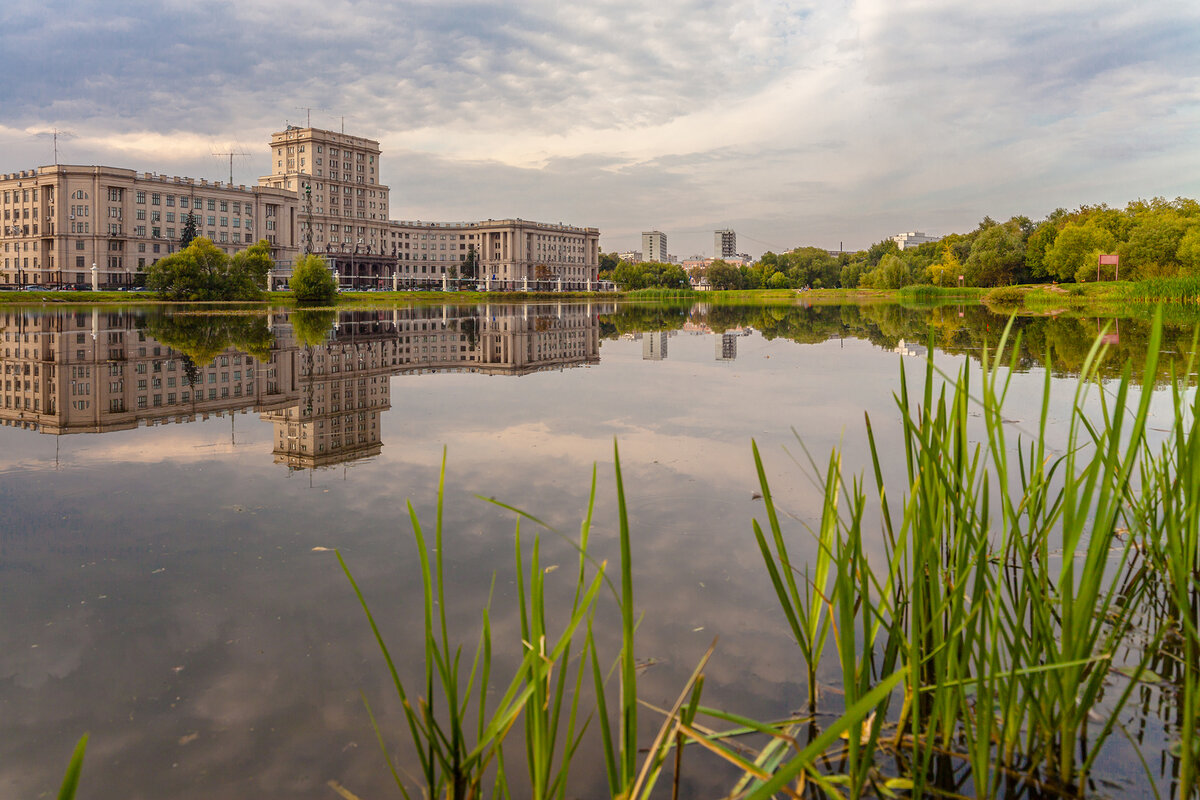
(312, 282)
(1005, 296)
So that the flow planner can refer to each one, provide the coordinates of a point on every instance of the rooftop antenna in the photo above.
(231, 154)
(54, 133)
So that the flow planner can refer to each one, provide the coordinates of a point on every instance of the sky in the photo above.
(834, 124)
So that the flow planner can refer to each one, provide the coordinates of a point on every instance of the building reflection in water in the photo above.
(98, 371)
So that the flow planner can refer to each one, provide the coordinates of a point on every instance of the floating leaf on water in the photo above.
(865, 735)
(320, 549)
(899, 784)
(342, 790)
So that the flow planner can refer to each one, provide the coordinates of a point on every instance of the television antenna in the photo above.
(54, 134)
(231, 154)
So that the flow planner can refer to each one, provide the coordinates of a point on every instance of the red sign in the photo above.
(1109, 261)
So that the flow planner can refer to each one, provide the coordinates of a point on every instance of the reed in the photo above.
(1006, 650)
(70, 782)
(1178, 289)
(991, 651)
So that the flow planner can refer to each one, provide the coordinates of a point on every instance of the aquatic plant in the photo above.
(991, 651)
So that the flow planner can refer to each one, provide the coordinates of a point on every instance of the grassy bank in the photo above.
(1027, 592)
(1027, 298)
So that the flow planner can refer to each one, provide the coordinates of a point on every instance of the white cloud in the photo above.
(794, 122)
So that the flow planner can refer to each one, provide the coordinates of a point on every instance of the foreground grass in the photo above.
(1023, 593)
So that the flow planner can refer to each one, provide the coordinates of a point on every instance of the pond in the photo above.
(172, 489)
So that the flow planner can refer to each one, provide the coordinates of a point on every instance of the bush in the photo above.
(1004, 296)
(312, 282)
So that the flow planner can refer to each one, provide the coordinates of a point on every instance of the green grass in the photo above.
(659, 293)
(930, 294)
(1182, 289)
(1004, 297)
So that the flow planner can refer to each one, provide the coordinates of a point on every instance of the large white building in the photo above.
(913, 238)
(60, 220)
(654, 246)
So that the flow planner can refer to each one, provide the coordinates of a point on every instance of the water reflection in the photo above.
(320, 378)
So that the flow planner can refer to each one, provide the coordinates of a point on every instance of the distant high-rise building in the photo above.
(913, 238)
(724, 244)
(654, 246)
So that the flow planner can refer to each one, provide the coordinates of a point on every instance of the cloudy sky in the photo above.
(793, 122)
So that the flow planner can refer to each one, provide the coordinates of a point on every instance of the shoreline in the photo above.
(1034, 298)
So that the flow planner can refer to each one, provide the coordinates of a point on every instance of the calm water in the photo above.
(167, 494)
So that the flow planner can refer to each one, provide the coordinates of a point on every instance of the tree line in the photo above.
(1154, 238)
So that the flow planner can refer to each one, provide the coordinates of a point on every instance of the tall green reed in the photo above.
(460, 737)
(455, 760)
(1168, 528)
(997, 597)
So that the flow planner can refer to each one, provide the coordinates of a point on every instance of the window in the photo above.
(141, 197)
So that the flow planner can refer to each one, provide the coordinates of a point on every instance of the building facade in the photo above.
(654, 246)
(336, 178)
(511, 254)
(913, 238)
(60, 220)
(724, 244)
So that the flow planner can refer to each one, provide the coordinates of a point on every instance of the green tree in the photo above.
(881, 249)
(1076, 249)
(470, 266)
(1152, 248)
(997, 256)
(1188, 253)
(202, 271)
(851, 275)
(778, 281)
(723, 275)
(946, 271)
(251, 268)
(1039, 242)
(892, 273)
(608, 263)
(312, 282)
(189, 231)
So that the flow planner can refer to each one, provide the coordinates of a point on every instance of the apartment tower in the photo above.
(654, 246)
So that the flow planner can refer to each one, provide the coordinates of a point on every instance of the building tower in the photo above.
(654, 246)
(724, 244)
(342, 173)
